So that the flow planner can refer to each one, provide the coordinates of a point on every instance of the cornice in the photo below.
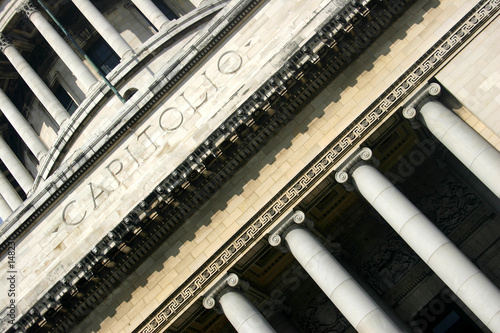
(52, 188)
(384, 106)
(313, 65)
(129, 64)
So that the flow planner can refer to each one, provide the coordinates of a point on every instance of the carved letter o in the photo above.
(171, 119)
(229, 62)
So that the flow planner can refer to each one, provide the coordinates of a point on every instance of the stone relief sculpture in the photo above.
(322, 316)
(390, 262)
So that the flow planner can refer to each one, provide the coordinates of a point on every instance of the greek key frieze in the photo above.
(325, 161)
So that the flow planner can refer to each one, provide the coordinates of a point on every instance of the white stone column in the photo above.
(481, 158)
(244, 317)
(5, 209)
(103, 27)
(22, 127)
(57, 43)
(434, 248)
(9, 193)
(477, 154)
(15, 166)
(153, 13)
(242, 314)
(355, 304)
(37, 86)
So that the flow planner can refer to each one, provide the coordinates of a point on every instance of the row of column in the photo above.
(9, 199)
(475, 290)
(66, 53)
(364, 314)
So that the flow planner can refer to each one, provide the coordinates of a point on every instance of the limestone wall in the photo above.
(473, 78)
(283, 157)
(179, 123)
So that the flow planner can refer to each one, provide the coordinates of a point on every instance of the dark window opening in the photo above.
(103, 56)
(65, 99)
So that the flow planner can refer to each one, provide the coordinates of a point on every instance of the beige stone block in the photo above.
(187, 258)
(198, 261)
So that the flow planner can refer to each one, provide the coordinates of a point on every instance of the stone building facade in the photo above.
(250, 166)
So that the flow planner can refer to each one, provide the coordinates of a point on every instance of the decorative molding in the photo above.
(360, 156)
(272, 95)
(432, 90)
(27, 8)
(279, 232)
(381, 109)
(229, 281)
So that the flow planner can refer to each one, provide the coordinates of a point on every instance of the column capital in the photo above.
(361, 156)
(278, 233)
(432, 90)
(27, 8)
(4, 42)
(228, 281)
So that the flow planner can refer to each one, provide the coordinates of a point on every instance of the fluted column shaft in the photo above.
(103, 27)
(434, 248)
(9, 193)
(15, 166)
(153, 13)
(5, 209)
(244, 317)
(355, 304)
(39, 88)
(477, 154)
(22, 127)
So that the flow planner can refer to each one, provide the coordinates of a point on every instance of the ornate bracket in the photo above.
(410, 112)
(27, 8)
(229, 281)
(4, 42)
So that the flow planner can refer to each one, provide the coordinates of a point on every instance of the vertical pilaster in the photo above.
(434, 248)
(103, 27)
(57, 43)
(37, 86)
(355, 304)
(22, 127)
